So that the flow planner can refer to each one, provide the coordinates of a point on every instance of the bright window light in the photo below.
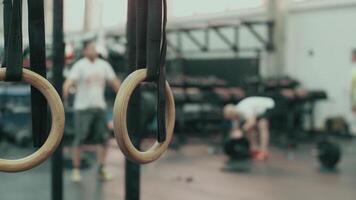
(183, 8)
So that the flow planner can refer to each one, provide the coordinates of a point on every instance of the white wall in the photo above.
(331, 35)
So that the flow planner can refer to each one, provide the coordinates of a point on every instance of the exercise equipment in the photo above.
(237, 149)
(329, 153)
(147, 21)
(57, 127)
(37, 47)
(120, 108)
(13, 71)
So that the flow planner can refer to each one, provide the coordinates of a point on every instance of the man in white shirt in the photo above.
(252, 111)
(89, 76)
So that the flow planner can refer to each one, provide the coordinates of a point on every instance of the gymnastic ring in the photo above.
(56, 133)
(120, 121)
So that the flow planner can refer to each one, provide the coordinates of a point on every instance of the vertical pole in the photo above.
(278, 12)
(132, 170)
(88, 10)
(93, 15)
(58, 64)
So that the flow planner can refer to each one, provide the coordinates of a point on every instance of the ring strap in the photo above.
(7, 11)
(37, 42)
(161, 83)
(154, 36)
(13, 57)
(147, 38)
(141, 33)
(131, 34)
(156, 56)
(13, 39)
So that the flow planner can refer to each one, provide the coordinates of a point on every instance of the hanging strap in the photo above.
(13, 57)
(36, 30)
(7, 11)
(13, 40)
(156, 55)
(147, 46)
(131, 34)
(161, 82)
(154, 35)
(141, 33)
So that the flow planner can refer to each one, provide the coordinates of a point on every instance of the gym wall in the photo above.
(319, 46)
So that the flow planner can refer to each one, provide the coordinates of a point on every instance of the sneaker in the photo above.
(104, 175)
(76, 177)
(261, 156)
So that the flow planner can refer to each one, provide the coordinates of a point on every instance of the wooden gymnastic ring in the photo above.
(56, 133)
(120, 121)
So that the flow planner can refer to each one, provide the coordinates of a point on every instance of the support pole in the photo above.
(132, 170)
(278, 12)
(58, 64)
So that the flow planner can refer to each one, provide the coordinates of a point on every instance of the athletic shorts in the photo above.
(90, 127)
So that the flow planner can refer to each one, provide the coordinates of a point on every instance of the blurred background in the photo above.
(300, 53)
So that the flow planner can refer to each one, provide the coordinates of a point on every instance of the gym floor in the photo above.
(193, 173)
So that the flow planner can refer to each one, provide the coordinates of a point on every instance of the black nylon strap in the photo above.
(154, 35)
(13, 57)
(150, 48)
(132, 59)
(37, 43)
(161, 107)
(141, 33)
(7, 11)
(131, 34)
(161, 82)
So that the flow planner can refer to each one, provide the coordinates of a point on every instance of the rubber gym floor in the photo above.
(193, 173)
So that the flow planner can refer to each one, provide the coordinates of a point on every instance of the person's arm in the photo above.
(250, 123)
(67, 85)
(115, 84)
(249, 113)
(72, 77)
(111, 77)
(236, 134)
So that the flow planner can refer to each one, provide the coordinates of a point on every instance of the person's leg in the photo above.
(82, 122)
(249, 128)
(263, 127)
(101, 135)
(101, 152)
(252, 137)
(78, 135)
(76, 157)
